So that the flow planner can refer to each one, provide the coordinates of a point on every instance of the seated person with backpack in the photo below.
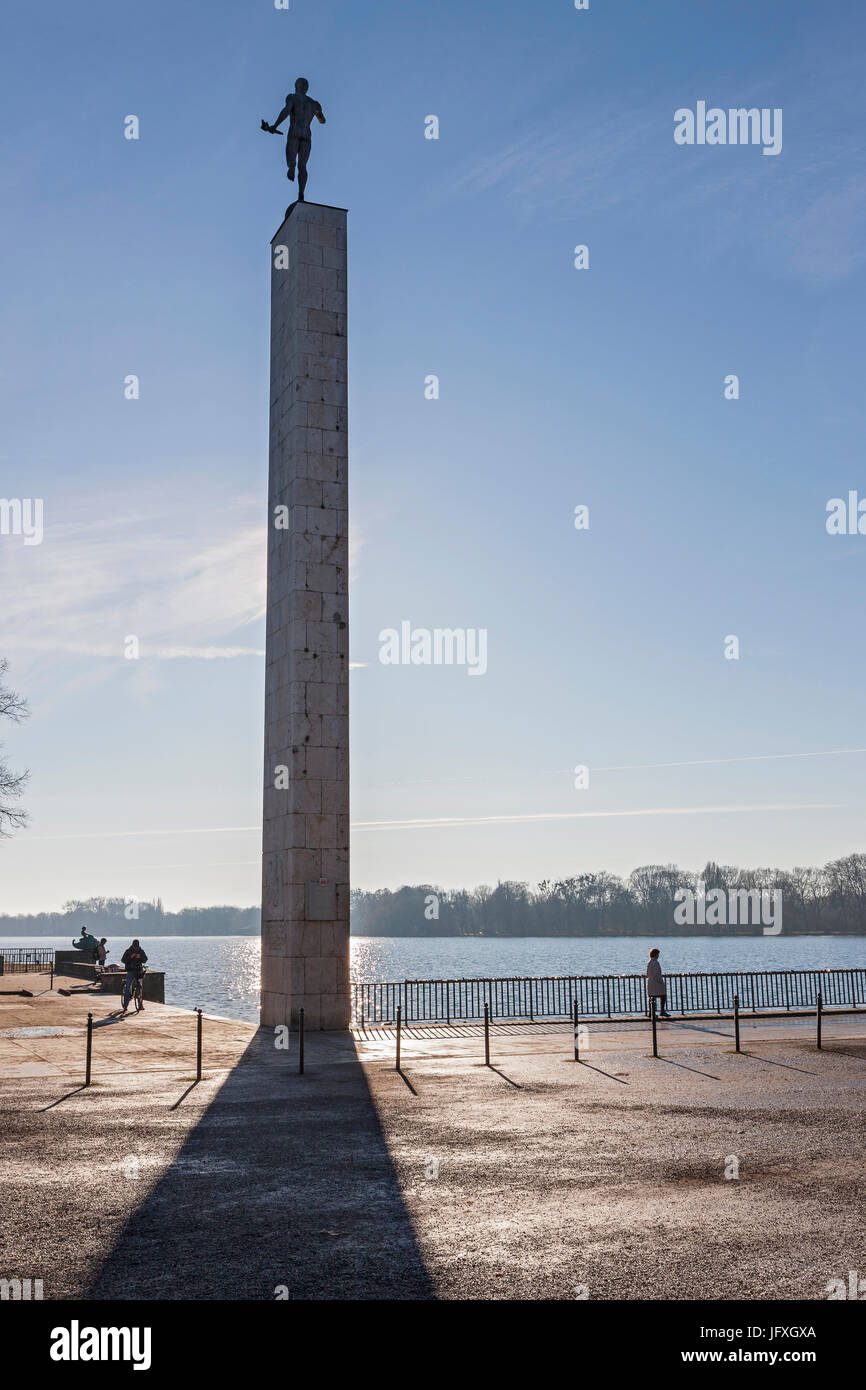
(99, 955)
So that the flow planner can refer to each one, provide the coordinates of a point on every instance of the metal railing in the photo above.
(18, 960)
(600, 996)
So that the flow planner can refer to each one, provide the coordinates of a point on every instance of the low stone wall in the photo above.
(112, 980)
(67, 957)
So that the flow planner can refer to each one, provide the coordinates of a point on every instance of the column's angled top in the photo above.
(330, 207)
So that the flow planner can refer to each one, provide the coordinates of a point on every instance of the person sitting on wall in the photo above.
(99, 955)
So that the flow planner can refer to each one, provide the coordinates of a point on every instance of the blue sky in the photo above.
(557, 387)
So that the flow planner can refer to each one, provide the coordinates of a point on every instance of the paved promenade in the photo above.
(525, 1039)
(533, 1178)
(45, 1035)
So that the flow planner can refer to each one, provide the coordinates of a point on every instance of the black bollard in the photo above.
(819, 1023)
(198, 1045)
(736, 1022)
(399, 1031)
(576, 1026)
(89, 1048)
(300, 1042)
(486, 1035)
(653, 1017)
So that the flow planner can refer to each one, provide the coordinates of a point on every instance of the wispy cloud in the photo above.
(109, 651)
(144, 834)
(807, 210)
(181, 582)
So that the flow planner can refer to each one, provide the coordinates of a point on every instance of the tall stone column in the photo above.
(305, 849)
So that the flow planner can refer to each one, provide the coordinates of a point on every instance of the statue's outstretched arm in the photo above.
(273, 128)
(320, 116)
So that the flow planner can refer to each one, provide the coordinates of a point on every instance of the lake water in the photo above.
(221, 973)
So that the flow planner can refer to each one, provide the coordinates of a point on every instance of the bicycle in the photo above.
(135, 993)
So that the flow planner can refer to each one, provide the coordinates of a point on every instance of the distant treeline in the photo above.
(831, 899)
(104, 916)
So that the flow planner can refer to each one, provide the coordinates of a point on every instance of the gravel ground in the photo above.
(537, 1178)
(614, 1182)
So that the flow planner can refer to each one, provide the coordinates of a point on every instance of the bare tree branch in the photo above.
(14, 707)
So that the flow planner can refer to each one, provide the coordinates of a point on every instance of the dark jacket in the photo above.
(133, 958)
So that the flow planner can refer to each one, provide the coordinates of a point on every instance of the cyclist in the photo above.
(133, 958)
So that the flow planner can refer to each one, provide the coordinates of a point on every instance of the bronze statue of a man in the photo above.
(300, 109)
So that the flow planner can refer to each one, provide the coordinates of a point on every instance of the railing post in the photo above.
(576, 1035)
(52, 975)
(89, 1048)
(736, 1022)
(486, 1034)
(653, 1017)
(399, 1028)
(198, 1045)
(819, 1021)
(300, 1042)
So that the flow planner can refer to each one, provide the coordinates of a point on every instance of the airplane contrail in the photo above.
(443, 822)
(708, 762)
(640, 767)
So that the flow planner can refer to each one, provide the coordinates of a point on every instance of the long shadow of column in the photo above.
(285, 1183)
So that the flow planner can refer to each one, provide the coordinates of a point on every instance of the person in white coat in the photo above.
(655, 982)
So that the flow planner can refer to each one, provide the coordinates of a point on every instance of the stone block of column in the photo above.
(305, 841)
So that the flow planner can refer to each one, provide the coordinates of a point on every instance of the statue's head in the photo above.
(302, 86)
